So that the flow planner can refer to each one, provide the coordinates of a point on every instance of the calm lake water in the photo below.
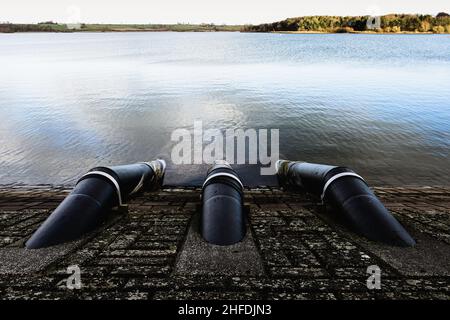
(379, 104)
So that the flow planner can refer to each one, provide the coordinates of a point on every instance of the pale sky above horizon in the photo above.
(199, 11)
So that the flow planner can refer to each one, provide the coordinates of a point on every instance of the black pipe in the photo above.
(346, 191)
(222, 220)
(92, 199)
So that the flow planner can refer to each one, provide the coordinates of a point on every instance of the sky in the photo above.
(202, 11)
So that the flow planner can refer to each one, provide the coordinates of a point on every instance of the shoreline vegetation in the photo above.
(387, 24)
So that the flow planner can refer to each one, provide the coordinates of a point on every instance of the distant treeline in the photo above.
(389, 23)
(394, 23)
(50, 26)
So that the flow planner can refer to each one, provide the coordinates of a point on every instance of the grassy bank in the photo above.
(57, 27)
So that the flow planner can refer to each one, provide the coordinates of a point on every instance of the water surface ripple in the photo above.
(377, 103)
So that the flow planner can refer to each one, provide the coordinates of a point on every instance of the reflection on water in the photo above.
(379, 104)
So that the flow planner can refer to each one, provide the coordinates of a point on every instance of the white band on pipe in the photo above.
(221, 174)
(110, 178)
(335, 177)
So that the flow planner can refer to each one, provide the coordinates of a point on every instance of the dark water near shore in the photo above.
(377, 103)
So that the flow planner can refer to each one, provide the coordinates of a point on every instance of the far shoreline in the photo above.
(51, 27)
(254, 32)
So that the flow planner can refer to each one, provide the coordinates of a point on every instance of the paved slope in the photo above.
(296, 249)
